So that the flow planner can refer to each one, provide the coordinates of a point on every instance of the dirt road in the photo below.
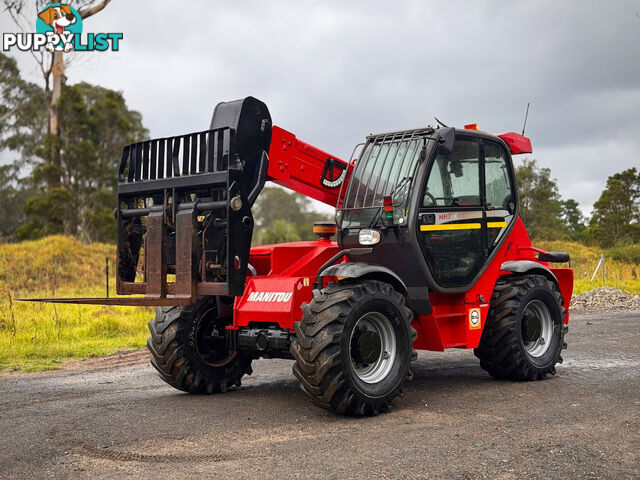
(453, 422)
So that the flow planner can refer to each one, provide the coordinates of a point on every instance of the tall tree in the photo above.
(574, 220)
(280, 231)
(13, 195)
(22, 124)
(616, 214)
(540, 202)
(22, 111)
(94, 125)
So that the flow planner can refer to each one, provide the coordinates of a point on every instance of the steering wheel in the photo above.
(431, 198)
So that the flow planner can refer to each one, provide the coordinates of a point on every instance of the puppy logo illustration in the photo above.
(59, 29)
(61, 20)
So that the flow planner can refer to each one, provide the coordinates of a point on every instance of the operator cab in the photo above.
(453, 204)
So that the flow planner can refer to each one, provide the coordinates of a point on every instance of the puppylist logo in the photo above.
(59, 28)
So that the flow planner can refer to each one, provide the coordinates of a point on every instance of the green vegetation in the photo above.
(283, 216)
(540, 203)
(63, 182)
(38, 336)
(619, 264)
(542, 209)
(629, 254)
(616, 214)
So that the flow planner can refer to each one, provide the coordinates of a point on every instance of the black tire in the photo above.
(188, 361)
(512, 347)
(327, 343)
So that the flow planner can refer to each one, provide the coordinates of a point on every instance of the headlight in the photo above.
(368, 236)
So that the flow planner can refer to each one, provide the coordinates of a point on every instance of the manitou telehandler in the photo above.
(430, 253)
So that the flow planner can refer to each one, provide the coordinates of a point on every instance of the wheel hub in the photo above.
(537, 328)
(372, 348)
(210, 340)
(366, 346)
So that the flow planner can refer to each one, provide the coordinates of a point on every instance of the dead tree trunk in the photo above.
(55, 158)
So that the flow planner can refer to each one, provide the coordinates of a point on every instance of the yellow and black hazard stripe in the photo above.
(460, 226)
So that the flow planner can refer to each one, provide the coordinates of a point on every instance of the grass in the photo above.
(619, 263)
(38, 336)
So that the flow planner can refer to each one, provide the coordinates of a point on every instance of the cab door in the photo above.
(466, 208)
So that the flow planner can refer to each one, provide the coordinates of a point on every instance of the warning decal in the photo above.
(474, 318)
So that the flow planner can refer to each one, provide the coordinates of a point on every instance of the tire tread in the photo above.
(499, 350)
(317, 346)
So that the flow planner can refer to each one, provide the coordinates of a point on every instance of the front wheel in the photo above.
(524, 332)
(353, 347)
(189, 351)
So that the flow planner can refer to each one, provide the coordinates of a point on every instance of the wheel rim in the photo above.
(372, 347)
(211, 340)
(537, 328)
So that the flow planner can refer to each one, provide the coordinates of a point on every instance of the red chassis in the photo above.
(286, 272)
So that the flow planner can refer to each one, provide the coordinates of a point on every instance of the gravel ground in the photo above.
(114, 418)
(605, 298)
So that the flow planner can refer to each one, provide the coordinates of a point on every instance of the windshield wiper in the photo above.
(399, 186)
(374, 220)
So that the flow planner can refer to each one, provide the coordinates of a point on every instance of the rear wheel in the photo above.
(188, 349)
(353, 347)
(524, 332)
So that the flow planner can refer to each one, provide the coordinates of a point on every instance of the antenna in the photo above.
(442, 124)
(526, 114)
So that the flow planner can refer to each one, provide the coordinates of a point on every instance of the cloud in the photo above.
(333, 72)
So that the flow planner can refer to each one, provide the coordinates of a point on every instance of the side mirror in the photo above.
(446, 137)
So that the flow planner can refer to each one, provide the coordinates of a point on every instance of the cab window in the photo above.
(499, 193)
(498, 185)
(454, 179)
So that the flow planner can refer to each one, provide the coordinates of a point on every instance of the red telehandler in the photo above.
(430, 253)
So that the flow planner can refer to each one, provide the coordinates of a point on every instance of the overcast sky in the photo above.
(334, 71)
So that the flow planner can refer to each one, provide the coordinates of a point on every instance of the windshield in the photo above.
(386, 168)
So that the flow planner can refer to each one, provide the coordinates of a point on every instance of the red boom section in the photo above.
(304, 168)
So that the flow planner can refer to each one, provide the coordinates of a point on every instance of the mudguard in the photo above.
(366, 270)
(563, 277)
(528, 266)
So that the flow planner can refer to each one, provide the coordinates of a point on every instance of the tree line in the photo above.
(64, 180)
(615, 219)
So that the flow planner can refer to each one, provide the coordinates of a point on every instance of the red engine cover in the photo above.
(286, 273)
